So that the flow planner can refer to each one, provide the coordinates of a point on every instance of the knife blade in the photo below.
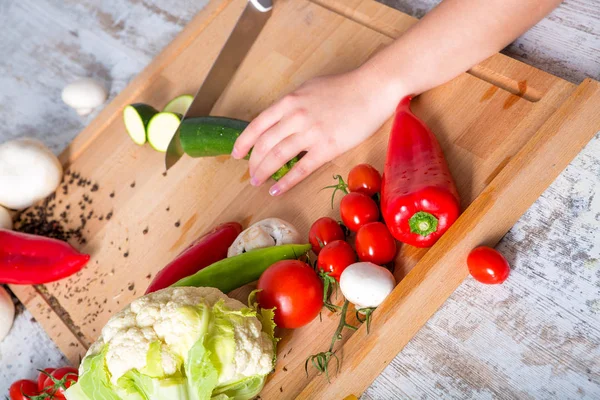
(238, 44)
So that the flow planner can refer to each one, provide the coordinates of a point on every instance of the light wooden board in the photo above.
(296, 58)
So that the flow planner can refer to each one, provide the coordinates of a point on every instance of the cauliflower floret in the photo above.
(174, 317)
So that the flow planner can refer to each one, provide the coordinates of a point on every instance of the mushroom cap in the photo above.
(84, 93)
(365, 284)
(266, 233)
(29, 172)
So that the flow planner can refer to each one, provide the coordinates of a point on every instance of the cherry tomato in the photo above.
(335, 257)
(357, 209)
(20, 390)
(294, 289)
(374, 243)
(323, 231)
(487, 265)
(364, 178)
(67, 376)
(42, 378)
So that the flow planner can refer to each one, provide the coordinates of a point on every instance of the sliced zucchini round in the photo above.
(137, 117)
(161, 129)
(180, 104)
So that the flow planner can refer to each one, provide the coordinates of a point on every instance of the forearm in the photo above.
(449, 40)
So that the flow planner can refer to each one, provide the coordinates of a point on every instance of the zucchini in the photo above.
(215, 136)
(180, 104)
(161, 129)
(209, 136)
(137, 117)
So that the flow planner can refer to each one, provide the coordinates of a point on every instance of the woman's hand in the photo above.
(325, 117)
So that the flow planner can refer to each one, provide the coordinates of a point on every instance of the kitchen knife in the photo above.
(243, 35)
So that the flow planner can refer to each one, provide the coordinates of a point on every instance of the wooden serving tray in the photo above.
(507, 130)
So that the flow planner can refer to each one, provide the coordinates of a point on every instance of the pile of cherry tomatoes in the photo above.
(51, 384)
(293, 287)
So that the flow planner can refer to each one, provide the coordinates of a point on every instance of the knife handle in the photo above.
(262, 5)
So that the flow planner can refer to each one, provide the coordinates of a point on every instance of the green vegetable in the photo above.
(161, 129)
(215, 136)
(180, 104)
(136, 117)
(234, 272)
(210, 136)
(202, 366)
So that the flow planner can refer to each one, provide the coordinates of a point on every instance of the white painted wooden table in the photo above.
(536, 336)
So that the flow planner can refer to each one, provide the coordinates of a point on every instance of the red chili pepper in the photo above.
(205, 251)
(419, 200)
(34, 260)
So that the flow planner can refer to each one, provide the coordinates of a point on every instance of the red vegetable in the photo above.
(323, 231)
(34, 260)
(22, 389)
(58, 381)
(42, 377)
(335, 257)
(419, 200)
(357, 209)
(487, 265)
(294, 290)
(364, 178)
(205, 251)
(375, 244)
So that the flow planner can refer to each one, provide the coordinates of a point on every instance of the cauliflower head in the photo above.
(180, 343)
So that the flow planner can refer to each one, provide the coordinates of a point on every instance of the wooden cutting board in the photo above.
(507, 130)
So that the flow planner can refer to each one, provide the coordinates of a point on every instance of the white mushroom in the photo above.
(29, 172)
(84, 95)
(266, 233)
(7, 313)
(5, 219)
(366, 285)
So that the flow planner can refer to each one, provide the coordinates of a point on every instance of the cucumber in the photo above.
(180, 104)
(161, 129)
(209, 136)
(215, 136)
(137, 117)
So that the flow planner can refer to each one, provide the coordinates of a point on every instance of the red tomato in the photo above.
(487, 265)
(323, 231)
(294, 289)
(364, 178)
(67, 376)
(335, 257)
(374, 243)
(20, 390)
(357, 209)
(42, 378)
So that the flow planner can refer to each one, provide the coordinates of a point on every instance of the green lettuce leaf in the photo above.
(241, 390)
(94, 383)
(201, 373)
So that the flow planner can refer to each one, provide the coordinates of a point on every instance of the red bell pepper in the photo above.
(205, 251)
(34, 260)
(419, 200)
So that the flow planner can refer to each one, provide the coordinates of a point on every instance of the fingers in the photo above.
(271, 138)
(280, 154)
(257, 127)
(306, 166)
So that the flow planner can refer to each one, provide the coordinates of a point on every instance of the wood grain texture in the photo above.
(452, 374)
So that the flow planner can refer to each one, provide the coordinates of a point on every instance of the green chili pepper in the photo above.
(234, 272)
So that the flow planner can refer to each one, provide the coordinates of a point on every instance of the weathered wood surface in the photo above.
(38, 55)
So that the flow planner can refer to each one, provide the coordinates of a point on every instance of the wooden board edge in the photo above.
(486, 220)
(376, 16)
(44, 310)
(142, 80)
